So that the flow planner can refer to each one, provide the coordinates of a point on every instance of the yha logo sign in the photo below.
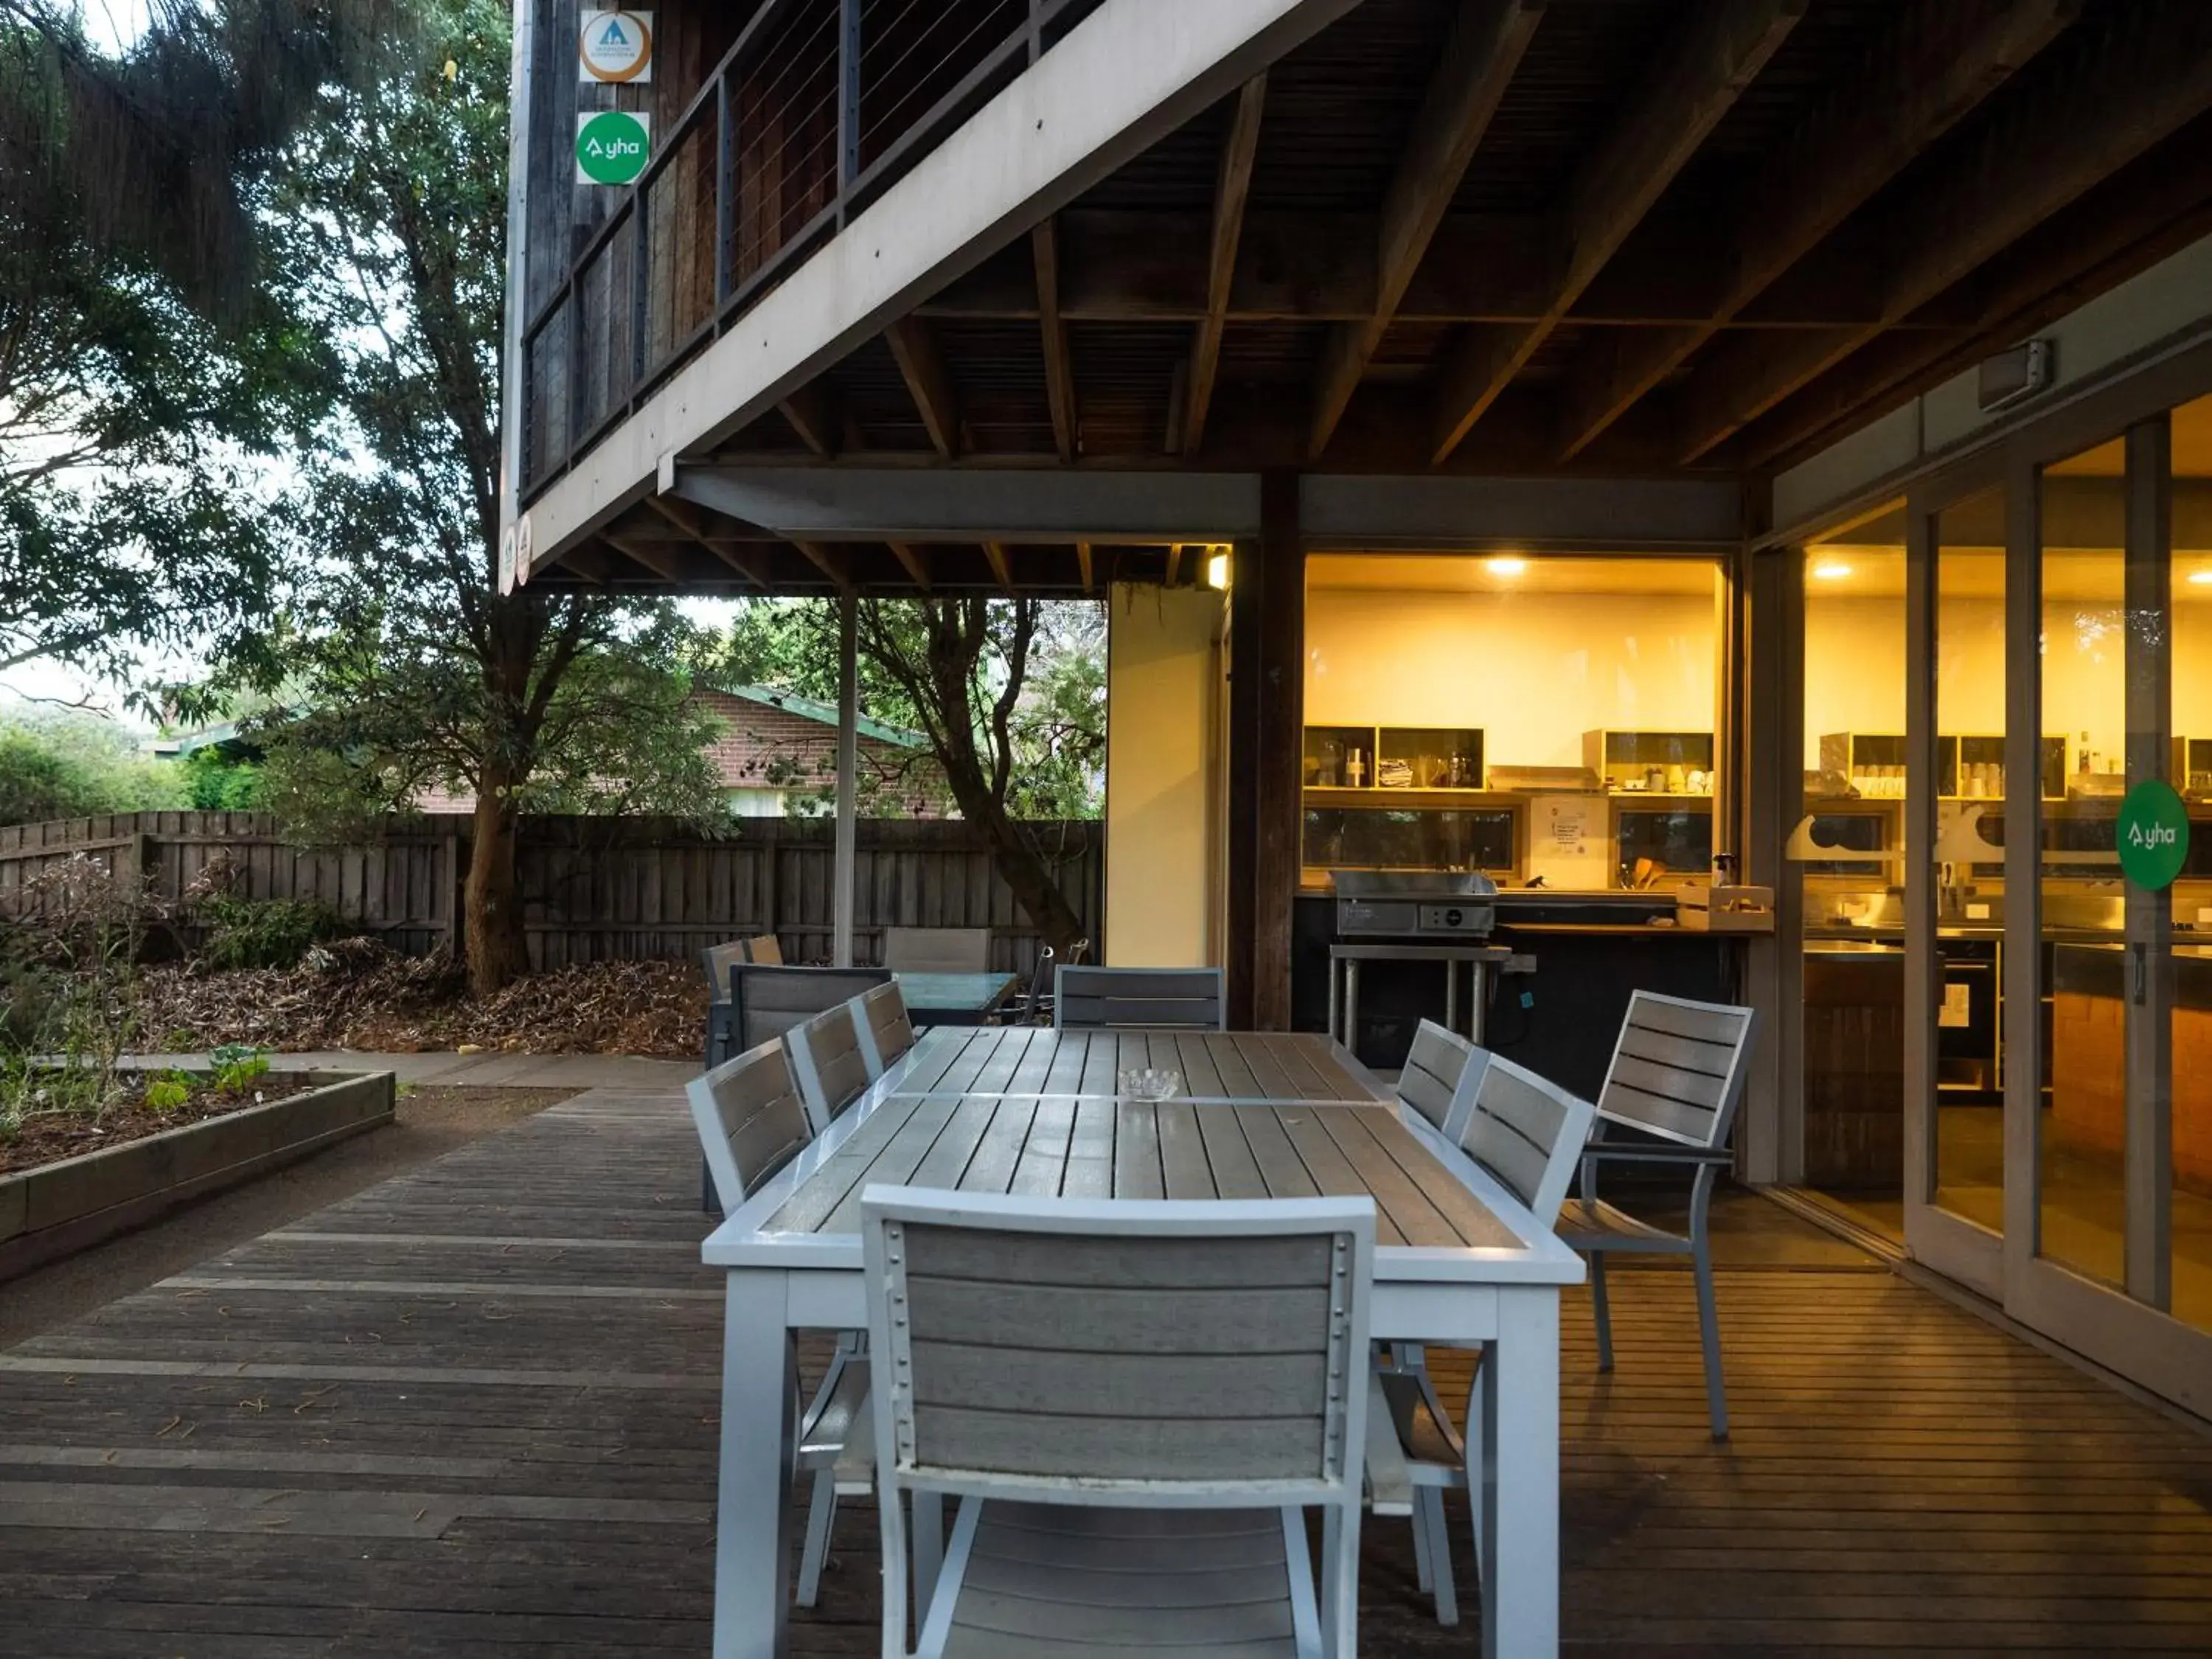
(612, 147)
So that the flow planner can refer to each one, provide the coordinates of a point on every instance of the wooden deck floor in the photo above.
(473, 1412)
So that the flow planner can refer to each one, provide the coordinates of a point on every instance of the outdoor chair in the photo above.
(1134, 1403)
(751, 1122)
(1095, 999)
(720, 959)
(1440, 1077)
(885, 1029)
(830, 1063)
(937, 950)
(767, 999)
(1676, 1077)
(1529, 1133)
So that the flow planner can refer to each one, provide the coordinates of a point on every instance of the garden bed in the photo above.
(59, 1208)
(354, 994)
(50, 1137)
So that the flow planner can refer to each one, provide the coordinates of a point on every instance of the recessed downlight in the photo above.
(1832, 570)
(1506, 565)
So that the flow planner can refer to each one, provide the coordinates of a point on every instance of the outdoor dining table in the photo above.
(933, 999)
(1261, 1114)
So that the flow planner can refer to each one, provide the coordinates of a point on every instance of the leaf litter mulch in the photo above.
(357, 994)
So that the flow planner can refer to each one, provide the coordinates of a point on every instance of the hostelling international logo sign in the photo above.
(615, 47)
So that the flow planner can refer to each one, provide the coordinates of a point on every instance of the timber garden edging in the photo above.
(59, 1208)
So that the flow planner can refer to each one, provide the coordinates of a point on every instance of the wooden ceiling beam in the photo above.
(812, 413)
(1082, 565)
(914, 344)
(1059, 370)
(1486, 48)
(1719, 54)
(831, 561)
(2159, 207)
(1937, 63)
(1232, 186)
(916, 562)
(692, 520)
(1001, 566)
(661, 559)
(2134, 76)
(588, 563)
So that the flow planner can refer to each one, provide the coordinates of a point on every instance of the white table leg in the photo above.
(752, 1516)
(1521, 1512)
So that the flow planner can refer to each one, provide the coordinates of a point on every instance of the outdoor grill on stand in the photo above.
(1434, 916)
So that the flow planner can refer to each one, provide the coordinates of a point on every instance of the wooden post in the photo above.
(1275, 858)
(1266, 694)
(848, 758)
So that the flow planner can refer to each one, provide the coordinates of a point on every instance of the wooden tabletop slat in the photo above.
(1034, 1066)
(1280, 1166)
(1333, 1174)
(1090, 1152)
(1274, 1078)
(1064, 1076)
(997, 1075)
(1236, 1172)
(999, 1151)
(1395, 1192)
(815, 1199)
(1100, 1049)
(1213, 1064)
(1237, 1080)
(935, 1053)
(946, 1165)
(1043, 1166)
(1201, 1078)
(894, 1166)
(1183, 1164)
(1475, 1224)
(961, 1077)
(1137, 1172)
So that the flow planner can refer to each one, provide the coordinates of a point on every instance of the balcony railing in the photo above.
(816, 108)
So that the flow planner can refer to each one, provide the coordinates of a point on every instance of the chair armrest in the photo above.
(1389, 1483)
(1617, 1152)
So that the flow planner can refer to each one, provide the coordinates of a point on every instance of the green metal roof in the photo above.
(811, 709)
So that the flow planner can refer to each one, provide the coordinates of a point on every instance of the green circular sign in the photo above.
(612, 147)
(2154, 835)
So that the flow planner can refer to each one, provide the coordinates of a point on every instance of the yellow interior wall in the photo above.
(1534, 671)
(1163, 688)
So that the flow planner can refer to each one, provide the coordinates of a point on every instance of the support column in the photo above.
(2149, 1139)
(848, 768)
(1266, 692)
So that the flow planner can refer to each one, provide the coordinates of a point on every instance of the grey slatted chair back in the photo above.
(1092, 998)
(771, 999)
(827, 1059)
(886, 1031)
(1038, 1348)
(751, 1122)
(1530, 1132)
(1678, 1069)
(1440, 1076)
(937, 950)
(718, 960)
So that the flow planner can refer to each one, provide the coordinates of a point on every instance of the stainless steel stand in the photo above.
(1344, 960)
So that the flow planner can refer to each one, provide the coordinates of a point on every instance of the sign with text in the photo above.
(613, 146)
(2153, 832)
(615, 48)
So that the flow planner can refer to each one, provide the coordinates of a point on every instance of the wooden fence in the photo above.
(595, 889)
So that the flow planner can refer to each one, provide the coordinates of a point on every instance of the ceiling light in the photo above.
(2200, 579)
(1506, 567)
(1831, 572)
(1217, 572)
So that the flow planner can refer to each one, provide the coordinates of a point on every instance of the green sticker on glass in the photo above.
(2154, 835)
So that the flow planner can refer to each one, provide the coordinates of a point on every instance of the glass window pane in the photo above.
(1972, 784)
(1845, 852)
(2191, 1190)
(2083, 1112)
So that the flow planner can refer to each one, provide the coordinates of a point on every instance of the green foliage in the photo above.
(265, 933)
(70, 765)
(238, 1066)
(214, 781)
(168, 1092)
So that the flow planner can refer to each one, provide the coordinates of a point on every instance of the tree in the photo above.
(387, 228)
(133, 508)
(69, 765)
(962, 665)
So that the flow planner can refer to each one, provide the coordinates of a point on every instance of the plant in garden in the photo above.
(415, 671)
(168, 1092)
(238, 1066)
(77, 931)
(264, 933)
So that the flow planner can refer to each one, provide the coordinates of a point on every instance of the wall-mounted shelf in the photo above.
(1626, 761)
(1398, 759)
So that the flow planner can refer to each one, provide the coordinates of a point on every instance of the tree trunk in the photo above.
(1021, 870)
(491, 909)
